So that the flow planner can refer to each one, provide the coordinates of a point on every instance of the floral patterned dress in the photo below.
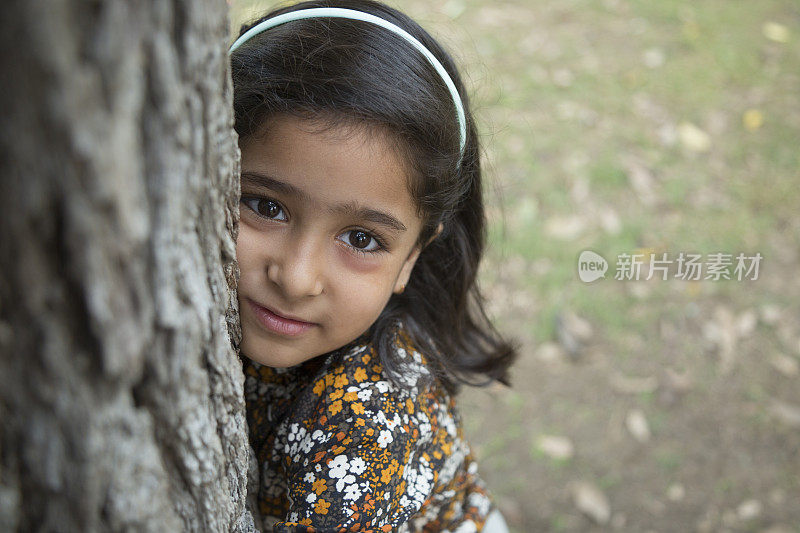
(341, 447)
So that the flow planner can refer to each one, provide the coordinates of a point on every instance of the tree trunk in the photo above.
(121, 401)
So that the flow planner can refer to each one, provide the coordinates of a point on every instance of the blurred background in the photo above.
(636, 127)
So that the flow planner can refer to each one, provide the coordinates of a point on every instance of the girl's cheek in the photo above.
(367, 263)
(246, 241)
(255, 245)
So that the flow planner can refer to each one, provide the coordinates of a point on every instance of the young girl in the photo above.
(362, 227)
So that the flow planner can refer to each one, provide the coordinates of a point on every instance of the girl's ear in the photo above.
(439, 229)
(405, 272)
(408, 266)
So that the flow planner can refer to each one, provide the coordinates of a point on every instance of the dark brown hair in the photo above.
(359, 74)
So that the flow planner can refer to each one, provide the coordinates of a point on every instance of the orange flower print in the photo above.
(319, 386)
(410, 406)
(340, 381)
(351, 396)
(336, 394)
(335, 407)
(369, 503)
(358, 408)
(360, 374)
(322, 507)
(319, 486)
(389, 471)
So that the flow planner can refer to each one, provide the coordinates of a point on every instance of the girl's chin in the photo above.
(274, 355)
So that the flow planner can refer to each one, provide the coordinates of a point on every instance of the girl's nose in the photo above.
(297, 271)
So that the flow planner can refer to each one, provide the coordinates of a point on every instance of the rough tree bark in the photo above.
(121, 403)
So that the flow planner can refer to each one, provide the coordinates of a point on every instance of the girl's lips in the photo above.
(279, 324)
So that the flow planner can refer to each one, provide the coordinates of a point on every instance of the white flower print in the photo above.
(422, 486)
(423, 424)
(409, 377)
(290, 449)
(385, 438)
(309, 477)
(480, 502)
(311, 498)
(394, 422)
(357, 466)
(450, 466)
(346, 481)
(295, 432)
(338, 467)
(306, 444)
(380, 418)
(466, 527)
(450, 426)
(364, 394)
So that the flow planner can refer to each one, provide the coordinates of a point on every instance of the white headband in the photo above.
(353, 14)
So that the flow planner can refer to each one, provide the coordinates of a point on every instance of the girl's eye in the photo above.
(361, 240)
(265, 207)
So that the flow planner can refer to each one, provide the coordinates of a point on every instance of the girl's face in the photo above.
(328, 232)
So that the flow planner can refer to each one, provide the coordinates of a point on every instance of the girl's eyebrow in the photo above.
(350, 208)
